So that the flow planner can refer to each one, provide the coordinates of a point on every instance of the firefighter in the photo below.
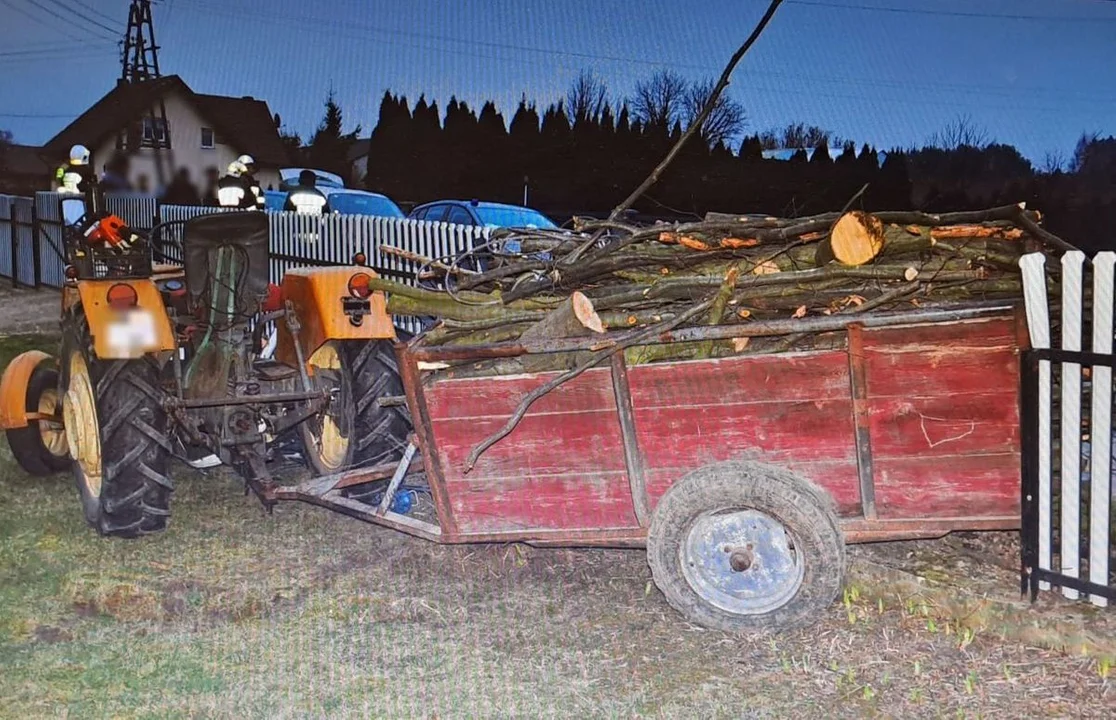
(305, 198)
(234, 190)
(250, 177)
(73, 176)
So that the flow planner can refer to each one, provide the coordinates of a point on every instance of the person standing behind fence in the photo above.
(71, 177)
(181, 191)
(234, 190)
(212, 177)
(305, 198)
(115, 175)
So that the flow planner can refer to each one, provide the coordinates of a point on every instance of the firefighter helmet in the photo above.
(79, 155)
(248, 162)
(237, 168)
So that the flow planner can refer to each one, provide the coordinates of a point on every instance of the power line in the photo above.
(947, 13)
(320, 25)
(108, 18)
(70, 8)
(38, 116)
(53, 13)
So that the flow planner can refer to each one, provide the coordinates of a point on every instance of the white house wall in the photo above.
(185, 124)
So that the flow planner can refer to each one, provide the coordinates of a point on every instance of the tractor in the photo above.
(161, 362)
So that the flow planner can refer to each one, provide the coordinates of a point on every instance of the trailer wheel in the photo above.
(740, 546)
(40, 448)
(116, 431)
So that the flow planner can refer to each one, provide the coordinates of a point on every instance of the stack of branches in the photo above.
(537, 286)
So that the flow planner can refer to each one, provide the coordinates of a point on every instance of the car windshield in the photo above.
(512, 217)
(360, 204)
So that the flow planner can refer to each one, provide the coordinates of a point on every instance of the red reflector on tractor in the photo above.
(360, 259)
(358, 285)
(122, 296)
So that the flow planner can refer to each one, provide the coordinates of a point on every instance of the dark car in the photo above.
(483, 214)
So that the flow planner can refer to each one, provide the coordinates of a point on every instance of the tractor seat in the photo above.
(246, 233)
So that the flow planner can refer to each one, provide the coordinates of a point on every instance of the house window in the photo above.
(207, 137)
(154, 131)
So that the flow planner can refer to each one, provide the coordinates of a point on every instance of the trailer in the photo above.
(742, 477)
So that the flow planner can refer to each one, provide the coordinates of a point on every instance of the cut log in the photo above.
(575, 317)
(856, 238)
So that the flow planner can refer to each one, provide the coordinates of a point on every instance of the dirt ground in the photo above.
(307, 614)
(27, 311)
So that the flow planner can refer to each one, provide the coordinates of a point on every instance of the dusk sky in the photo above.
(1035, 74)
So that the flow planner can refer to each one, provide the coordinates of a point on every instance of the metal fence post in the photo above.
(14, 224)
(36, 250)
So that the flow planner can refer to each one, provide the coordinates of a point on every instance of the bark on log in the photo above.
(575, 317)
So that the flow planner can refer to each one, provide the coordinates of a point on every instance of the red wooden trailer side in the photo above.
(912, 430)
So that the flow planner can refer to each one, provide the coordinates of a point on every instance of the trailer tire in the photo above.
(745, 546)
(40, 447)
(121, 465)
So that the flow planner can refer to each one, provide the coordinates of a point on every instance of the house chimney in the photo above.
(247, 97)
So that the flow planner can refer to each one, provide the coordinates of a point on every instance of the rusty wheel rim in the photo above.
(331, 442)
(83, 435)
(741, 561)
(52, 432)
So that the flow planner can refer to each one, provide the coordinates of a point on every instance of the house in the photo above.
(201, 131)
(358, 160)
(22, 169)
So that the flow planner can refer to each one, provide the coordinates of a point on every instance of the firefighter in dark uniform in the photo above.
(235, 190)
(249, 164)
(305, 198)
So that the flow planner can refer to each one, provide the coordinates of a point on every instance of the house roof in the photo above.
(245, 123)
(24, 160)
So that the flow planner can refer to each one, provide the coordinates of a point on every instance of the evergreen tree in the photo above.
(330, 145)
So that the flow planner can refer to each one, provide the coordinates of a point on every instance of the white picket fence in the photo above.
(1084, 460)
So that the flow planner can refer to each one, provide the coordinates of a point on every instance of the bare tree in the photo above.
(798, 135)
(660, 100)
(1054, 161)
(960, 132)
(725, 121)
(587, 97)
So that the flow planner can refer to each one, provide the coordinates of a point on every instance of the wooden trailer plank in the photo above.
(946, 486)
(978, 423)
(546, 502)
(498, 396)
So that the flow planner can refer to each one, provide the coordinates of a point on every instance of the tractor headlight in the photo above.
(132, 333)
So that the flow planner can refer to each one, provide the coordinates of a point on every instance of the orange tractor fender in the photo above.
(13, 388)
(318, 296)
(127, 318)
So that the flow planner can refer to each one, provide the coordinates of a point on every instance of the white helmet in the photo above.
(247, 161)
(237, 168)
(79, 155)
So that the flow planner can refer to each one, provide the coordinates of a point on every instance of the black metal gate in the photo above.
(1066, 417)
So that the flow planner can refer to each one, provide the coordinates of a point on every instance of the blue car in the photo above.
(483, 214)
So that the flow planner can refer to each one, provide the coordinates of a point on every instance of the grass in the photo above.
(232, 613)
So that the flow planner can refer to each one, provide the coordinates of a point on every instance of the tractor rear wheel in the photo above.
(356, 430)
(116, 431)
(40, 447)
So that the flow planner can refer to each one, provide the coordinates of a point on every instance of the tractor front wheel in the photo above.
(116, 431)
(40, 447)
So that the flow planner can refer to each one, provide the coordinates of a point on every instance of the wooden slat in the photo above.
(497, 397)
(945, 486)
(807, 376)
(1033, 269)
(1070, 530)
(976, 423)
(1100, 426)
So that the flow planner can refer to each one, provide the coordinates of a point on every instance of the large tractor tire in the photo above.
(356, 430)
(744, 546)
(116, 430)
(40, 447)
